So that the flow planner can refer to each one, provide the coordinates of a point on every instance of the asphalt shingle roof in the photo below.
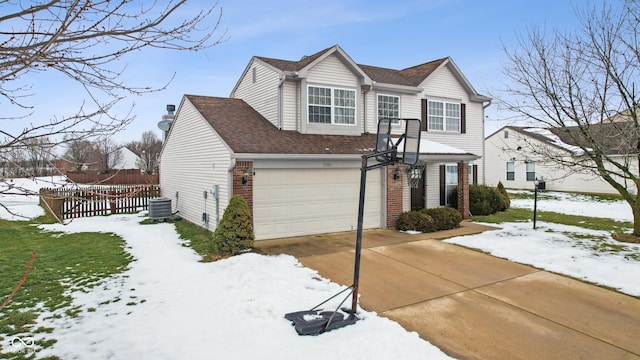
(412, 76)
(246, 131)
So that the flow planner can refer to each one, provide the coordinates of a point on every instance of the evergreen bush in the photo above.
(484, 200)
(505, 196)
(234, 234)
(444, 218)
(415, 220)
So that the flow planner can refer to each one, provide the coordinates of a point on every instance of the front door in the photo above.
(417, 194)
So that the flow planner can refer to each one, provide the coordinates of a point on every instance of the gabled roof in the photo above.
(247, 132)
(410, 77)
(610, 136)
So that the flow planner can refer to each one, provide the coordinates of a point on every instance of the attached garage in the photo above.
(303, 201)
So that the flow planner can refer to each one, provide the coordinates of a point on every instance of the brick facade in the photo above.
(245, 190)
(463, 190)
(394, 195)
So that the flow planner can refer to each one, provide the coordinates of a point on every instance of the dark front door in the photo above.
(417, 194)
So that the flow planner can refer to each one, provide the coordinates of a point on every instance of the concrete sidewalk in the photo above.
(472, 305)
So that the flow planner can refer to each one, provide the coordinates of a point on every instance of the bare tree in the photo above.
(148, 148)
(583, 86)
(77, 153)
(88, 41)
(106, 153)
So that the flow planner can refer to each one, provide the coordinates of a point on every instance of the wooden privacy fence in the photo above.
(99, 200)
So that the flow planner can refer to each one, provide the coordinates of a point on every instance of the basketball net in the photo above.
(414, 174)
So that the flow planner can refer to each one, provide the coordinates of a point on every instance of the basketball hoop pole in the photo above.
(314, 322)
(363, 183)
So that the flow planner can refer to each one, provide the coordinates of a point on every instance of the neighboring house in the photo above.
(128, 159)
(291, 137)
(510, 158)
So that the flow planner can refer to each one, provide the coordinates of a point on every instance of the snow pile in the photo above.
(173, 307)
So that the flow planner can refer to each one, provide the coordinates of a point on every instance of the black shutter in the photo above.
(443, 188)
(424, 115)
(463, 118)
(475, 174)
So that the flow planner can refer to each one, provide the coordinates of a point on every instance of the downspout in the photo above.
(232, 166)
(365, 89)
(280, 102)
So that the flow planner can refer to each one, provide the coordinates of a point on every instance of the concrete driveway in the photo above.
(473, 305)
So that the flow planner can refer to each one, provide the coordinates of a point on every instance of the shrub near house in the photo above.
(429, 220)
(484, 200)
(235, 232)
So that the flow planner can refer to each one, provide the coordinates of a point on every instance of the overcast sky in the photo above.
(388, 34)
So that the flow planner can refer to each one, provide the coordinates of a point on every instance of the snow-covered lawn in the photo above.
(168, 305)
(582, 253)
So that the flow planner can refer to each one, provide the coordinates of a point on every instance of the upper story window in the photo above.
(443, 116)
(332, 106)
(389, 107)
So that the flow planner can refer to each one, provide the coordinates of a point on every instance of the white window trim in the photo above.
(444, 116)
(530, 164)
(333, 115)
(393, 123)
(513, 170)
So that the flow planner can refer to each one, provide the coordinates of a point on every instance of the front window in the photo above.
(332, 106)
(389, 107)
(450, 181)
(443, 116)
(531, 171)
(511, 170)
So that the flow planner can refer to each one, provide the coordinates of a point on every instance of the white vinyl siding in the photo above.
(262, 95)
(208, 162)
(290, 106)
(443, 86)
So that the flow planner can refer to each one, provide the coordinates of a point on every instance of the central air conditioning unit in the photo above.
(159, 208)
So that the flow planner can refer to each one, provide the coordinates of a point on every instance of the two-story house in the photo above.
(291, 136)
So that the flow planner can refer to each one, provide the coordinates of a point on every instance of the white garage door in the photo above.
(293, 202)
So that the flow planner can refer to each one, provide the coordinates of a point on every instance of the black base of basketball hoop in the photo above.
(315, 322)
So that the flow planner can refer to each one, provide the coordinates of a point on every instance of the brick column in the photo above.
(244, 190)
(463, 190)
(394, 195)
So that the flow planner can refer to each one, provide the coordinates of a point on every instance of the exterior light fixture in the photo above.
(245, 176)
(397, 174)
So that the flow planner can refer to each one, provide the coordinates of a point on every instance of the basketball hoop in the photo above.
(414, 174)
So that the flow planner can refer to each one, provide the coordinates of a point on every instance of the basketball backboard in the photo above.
(384, 142)
(411, 147)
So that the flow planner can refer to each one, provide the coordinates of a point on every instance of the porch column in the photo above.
(463, 190)
(394, 196)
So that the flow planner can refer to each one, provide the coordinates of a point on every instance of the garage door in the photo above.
(293, 202)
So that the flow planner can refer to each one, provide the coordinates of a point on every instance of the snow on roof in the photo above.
(555, 140)
(432, 147)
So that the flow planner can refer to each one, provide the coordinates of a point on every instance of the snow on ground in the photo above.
(576, 204)
(168, 305)
(581, 253)
(174, 307)
(20, 196)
